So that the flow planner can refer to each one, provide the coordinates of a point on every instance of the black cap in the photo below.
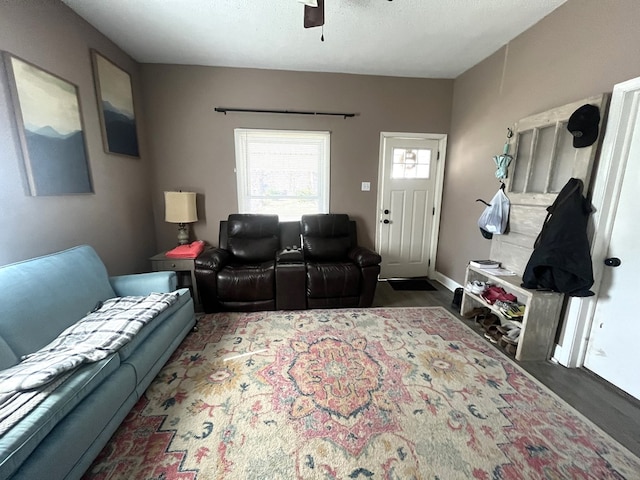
(583, 125)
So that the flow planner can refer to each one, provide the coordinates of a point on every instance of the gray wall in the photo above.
(193, 146)
(581, 49)
(117, 219)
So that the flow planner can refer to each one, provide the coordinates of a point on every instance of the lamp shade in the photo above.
(180, 207)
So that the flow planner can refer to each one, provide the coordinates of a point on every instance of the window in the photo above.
(282, 172)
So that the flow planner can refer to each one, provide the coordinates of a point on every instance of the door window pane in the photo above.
(411, 163)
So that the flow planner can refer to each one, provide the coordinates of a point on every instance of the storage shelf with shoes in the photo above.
(536, 313)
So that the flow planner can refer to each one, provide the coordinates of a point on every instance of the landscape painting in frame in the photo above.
(115, 101)
(49, 124)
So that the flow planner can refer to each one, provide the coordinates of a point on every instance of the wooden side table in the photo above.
(161, 263)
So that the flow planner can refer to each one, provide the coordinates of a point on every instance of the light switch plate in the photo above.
(366, 186)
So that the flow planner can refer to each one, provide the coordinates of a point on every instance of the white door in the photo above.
(408, 183)
(612, 351)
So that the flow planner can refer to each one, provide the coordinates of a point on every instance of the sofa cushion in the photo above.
(151, 356)
(70, 448)
(253, 238)
(326, 236)
(42, 296)
(327, 280)
(183, 297)
(20, 441)
(247, 283)
(8, 357)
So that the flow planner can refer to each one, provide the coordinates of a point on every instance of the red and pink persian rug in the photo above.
(387, 393)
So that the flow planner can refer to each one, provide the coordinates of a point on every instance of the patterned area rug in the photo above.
(383, 393)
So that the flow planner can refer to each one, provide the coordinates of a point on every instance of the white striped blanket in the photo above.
(16, 405)
(96, 336)
(102, 332)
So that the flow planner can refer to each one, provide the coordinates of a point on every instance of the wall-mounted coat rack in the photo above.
(285, 112)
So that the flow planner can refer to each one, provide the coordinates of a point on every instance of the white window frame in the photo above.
(242, 173)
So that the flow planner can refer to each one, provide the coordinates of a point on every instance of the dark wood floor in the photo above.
(611, 409)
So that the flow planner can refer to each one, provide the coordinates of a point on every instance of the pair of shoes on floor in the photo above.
(477, 287)
(494, 293)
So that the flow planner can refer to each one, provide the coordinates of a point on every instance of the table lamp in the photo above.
(180, 208)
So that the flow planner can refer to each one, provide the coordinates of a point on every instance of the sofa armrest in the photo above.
(144, 283)
(213, 259)
(364, 257)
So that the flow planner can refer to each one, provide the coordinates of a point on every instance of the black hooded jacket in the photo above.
(561, 259)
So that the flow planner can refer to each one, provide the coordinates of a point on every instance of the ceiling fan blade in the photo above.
(314, 16)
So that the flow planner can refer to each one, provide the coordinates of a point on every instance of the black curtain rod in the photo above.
(286, 112)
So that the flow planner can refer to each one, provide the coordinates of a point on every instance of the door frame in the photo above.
(441, 138)
(580, 312)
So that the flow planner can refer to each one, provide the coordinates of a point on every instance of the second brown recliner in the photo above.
(339, 273)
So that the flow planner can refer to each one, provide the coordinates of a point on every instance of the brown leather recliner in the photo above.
(240, 273)
(339, 273)
(260, 265)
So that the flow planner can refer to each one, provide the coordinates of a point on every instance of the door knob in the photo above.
(386, 212)
(385, 221)
(612, 262)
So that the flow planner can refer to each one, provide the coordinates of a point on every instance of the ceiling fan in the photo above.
(314, 14)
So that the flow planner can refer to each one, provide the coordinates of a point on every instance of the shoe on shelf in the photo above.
(513, 335)
(494, 293)
(511, 310)
(488, 321)
(492, 334)
(477, 311)
(515, 311)
(505, 328)
(476, 287)
(505, 340)
(503, 306)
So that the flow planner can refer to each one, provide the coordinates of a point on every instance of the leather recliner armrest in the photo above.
(364, 257)
(289, 255)
(213, 259)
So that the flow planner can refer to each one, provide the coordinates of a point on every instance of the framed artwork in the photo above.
(115, 103)
(49, 121)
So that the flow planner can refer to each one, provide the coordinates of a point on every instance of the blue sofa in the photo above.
(41, 297)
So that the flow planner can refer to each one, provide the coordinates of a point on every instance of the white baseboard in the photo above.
(446, 281)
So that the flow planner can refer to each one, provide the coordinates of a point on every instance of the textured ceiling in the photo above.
(408, 38)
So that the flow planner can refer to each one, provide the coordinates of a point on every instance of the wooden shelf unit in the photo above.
(541, 317)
